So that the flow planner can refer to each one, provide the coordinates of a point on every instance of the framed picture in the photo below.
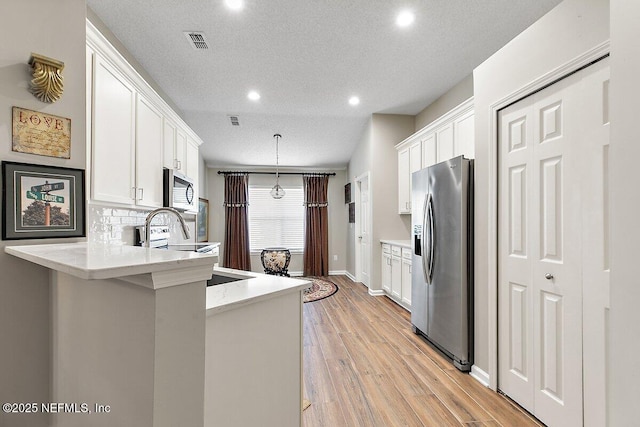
(42, 202)
(203, 220)
(347, 193)
(352, 212)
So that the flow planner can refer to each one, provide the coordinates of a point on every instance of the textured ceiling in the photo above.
(306, 58)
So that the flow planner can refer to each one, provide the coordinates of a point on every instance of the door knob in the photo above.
(548, 276)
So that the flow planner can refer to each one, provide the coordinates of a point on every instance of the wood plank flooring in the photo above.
(363, 366)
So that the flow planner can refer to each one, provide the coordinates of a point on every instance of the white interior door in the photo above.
(364, 230)
(595, 246)
(544, 146)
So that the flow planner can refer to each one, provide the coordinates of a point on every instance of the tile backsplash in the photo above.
(117, 225)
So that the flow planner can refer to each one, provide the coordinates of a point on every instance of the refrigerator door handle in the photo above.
(425, 253)
(431, 239)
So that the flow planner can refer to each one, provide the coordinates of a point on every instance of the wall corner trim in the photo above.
(479, 375)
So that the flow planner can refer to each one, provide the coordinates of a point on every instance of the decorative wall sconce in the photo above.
(47, 84)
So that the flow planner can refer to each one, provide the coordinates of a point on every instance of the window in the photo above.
(276, 223)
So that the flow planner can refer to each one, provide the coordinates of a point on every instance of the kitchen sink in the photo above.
(217, 279)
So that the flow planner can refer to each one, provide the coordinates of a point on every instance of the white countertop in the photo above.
(401, 243)
(253, 288)
(95, 261)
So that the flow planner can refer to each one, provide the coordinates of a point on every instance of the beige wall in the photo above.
(378, 146)
(570, 29)
(338, 216)
(624, 381)
(54, 29)
(455, 96)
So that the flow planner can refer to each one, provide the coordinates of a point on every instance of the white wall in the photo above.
(569, 30)
(624, 380)
(378, 147)
(337, 210)
(54, 29)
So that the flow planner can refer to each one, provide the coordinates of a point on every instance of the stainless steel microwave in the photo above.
(179, 191)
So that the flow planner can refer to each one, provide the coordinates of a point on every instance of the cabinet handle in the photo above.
(141, 193)
(134, 191)
(179, 165)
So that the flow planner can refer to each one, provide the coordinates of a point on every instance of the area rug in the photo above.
(319, 289)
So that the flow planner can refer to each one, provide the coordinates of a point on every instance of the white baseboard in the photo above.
(479, 375)
(337, 273)
(350, 276)
(295, 273)
(377, 292)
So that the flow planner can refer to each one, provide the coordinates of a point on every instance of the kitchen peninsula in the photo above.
(136, 330)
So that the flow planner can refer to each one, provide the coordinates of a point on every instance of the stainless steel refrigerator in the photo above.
(442, 260)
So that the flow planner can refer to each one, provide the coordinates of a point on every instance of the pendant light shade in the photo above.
(277, 192)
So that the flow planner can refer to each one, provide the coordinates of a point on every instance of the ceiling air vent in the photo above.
(197, 39)
(235, 120)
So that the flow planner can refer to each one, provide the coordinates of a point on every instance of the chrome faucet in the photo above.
(153, 213)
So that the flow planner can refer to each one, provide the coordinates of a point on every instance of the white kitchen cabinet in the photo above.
(448, 136)
(134, 133)
(429, 156)
(444, 143)
(149, 130)
(180, 151)
(464, 133)
(126, 147)
(169, 135)
(191, 159)
(409, 161)
(386, 268)
(113, 142)
(396, 273)
(405, 278)
(404, 182)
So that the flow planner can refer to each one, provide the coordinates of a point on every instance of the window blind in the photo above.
(276, 223)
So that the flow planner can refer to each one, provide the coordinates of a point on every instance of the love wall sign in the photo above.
(43, 134)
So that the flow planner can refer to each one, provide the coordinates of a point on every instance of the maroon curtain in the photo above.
(236, 235)
(316, 237)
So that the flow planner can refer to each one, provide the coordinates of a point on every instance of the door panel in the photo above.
(553, 183)
(595, 208)
(515, 289)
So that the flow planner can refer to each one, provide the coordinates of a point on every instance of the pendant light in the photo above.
(277, 192)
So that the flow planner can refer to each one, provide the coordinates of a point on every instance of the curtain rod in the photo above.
(279, 173)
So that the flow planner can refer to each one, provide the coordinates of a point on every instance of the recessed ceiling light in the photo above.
(253, 95)
(354, 100)
(405, 18)
(234, 4)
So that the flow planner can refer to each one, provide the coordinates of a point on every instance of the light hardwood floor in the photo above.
(363, 366)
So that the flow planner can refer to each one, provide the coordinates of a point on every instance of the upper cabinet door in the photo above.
(444, 142)
(113, 142)
(404, 181)
(429, 151)
(192, 160)
(463, 130)
(169, 144)
(181, 150)
(149, 153)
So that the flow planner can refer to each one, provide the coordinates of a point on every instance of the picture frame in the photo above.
(42, 202)
(352, 213)
(347, 193)
(202, 220)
